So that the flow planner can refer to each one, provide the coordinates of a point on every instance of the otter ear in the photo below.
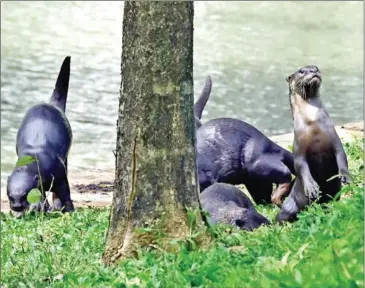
(288, 79)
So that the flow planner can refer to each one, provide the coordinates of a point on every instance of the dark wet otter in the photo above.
(226, 204)
(201, 102)
(45, 134)
(232, 151)
(318, 152)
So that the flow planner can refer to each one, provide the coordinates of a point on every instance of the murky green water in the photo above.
(248, 48)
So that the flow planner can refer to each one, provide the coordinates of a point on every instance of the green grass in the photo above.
(324, 248)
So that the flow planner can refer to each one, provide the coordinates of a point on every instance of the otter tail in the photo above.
(203, 98)
(59, 95)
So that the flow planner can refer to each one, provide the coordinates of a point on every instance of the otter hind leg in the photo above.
(259, 190)
(63, 196)
(293, 204)
(57, 203)
(270, 168)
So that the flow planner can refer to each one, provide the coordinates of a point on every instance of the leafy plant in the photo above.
(25, 160)
(34, 196)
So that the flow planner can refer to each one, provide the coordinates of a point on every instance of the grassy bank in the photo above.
(324, 248)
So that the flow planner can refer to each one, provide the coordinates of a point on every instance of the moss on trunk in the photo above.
(155, 155)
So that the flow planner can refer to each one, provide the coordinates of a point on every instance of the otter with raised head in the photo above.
(318, 152)
(202, 101)
(45, 134)
(226, 204)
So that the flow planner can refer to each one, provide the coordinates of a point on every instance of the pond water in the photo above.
(248, 48)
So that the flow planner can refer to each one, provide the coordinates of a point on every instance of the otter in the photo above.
(46, 135)
(201, 102)
(226, 204)
(318, 151)
(233, 151)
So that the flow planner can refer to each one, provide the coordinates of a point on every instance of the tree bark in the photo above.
(155, 155)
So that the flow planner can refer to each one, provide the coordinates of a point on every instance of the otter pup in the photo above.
(227, 204)
(318, 152)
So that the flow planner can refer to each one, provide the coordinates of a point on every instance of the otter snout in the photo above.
(310, 73)
(19, 206)
(251, 220)
(20, 182)
(310, 77)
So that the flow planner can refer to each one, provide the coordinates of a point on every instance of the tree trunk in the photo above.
(155, 155)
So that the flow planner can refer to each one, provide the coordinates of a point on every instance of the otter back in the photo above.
(44, 127)
(232, 151)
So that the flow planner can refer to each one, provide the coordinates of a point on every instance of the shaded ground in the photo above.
(94, 188)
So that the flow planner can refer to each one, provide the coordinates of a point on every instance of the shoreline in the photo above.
(94, 188)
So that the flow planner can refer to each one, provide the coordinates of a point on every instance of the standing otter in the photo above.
(318, 152)
(201, 102)
(45, 134)
(232, 151)
(227, 204)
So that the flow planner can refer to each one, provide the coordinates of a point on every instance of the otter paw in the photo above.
(56, 205)
(345, 179)
(68, 206)
(282, 190)
(311, 190)
(35, 207)
(285, 216)
(275, 199)
(39, 207)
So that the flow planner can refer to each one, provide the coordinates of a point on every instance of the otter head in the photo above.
(250, 219)
(20, 182)
(305, 82)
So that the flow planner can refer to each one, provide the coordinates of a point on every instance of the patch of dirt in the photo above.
(93, 204)
(354, 126)
(102, 187)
